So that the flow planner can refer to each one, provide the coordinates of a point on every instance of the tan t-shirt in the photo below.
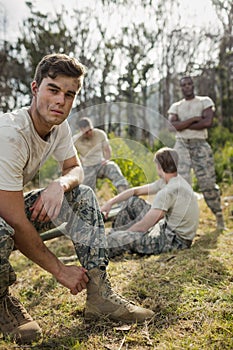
(179, 202)
(90, 150)
(186, 109)
(24, 151)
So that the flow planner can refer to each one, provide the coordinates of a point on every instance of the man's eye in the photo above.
(70, 95)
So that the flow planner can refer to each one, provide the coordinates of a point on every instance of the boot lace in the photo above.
(17, 310)
(111, 295)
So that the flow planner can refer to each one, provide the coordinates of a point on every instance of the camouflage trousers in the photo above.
(197, 155)
(84, 226)
(110, 170)
(159, 239)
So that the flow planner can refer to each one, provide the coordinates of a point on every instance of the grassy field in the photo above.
(191, 292)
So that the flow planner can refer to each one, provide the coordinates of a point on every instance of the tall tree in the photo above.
(42, 34)
(224, 9)
(12, 73)
(135, 49)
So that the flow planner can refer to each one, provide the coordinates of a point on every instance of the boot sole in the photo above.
(93, 317)
(23, 336)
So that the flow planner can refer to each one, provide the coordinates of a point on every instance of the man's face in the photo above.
(87, 132)
(53, 99)
(187, 88)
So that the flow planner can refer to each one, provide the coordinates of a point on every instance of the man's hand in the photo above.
(104, 161)
(48, 205)
(105, 209)
(73, 277)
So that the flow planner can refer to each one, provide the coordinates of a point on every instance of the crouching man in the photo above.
(27, 138)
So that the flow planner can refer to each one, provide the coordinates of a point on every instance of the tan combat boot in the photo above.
(103, 301)
(16, 323)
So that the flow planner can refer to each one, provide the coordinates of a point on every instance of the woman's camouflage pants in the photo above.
(84, 227)
(162, 239)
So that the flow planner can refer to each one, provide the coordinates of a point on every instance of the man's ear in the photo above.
(34, 88)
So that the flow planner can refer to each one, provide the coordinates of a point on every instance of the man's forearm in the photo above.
(71, 178)
(123, 196)
(138, 227)
(28, 241)
(185, 124)
(203, 123)
(30, 244)
(105, 208)
(152, 217)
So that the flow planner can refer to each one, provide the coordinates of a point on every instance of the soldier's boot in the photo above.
(220, 221)
(103, 301)
(15, 322)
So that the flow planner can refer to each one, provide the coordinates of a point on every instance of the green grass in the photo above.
(191, 292)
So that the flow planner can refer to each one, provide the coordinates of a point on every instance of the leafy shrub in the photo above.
(165, 139)
(48, 172)
(224, 163)
(219, 137)
(135, 161)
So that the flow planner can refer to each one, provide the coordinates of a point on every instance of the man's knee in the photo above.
(7, 274)
(6, 243)
(211, 189)
(112, 170)
(80, 190)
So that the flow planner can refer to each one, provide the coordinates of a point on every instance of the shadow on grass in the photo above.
(157, 282)
(162, 281)
(96, 334)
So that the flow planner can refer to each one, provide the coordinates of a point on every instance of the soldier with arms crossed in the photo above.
(190, 118)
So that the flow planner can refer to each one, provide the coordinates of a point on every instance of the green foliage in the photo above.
(134, 159)
(165, 139)
(137, 165)
(224, 163)
(40, 35)
(221, 141)
(219, 136)
(48, 171)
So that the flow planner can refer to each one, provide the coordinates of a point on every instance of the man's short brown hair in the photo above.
(85, 123)
(59, 64)
(167, 158)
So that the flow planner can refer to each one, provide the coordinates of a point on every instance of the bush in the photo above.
(219, 137)
(224, 164)
(165, 139)
(135, 161)
(48, 172)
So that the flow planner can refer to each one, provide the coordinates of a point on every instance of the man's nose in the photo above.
(61, 98)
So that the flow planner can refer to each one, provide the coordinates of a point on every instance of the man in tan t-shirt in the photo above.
(95, 152)
(190, 118)
(165, 225)
(28, 137)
